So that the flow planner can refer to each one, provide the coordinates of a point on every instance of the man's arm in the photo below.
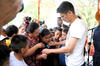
(67, 49)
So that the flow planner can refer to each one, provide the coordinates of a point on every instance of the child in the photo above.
(62, 56)
(45, 39)
(21, 29)
(11, 30)
(32, 34)
(57, 34)
(4, 55)
(19, 46)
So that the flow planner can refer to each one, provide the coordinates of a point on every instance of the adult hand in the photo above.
(46, 51)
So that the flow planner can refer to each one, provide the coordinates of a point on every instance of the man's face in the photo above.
(8, 10)
(64, 17)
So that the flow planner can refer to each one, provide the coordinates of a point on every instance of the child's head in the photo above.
(44, 26)
(19, 44)
(11, 30)
(4, 55)
(21, 29)
(33, 29)
(64, 34)
(58, 33)
(59, 21)
(45, 35)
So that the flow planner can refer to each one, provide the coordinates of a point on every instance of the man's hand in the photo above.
(46, 51)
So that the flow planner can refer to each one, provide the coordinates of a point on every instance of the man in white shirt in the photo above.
(76, 37)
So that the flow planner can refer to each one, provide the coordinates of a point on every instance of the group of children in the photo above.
(27, 42)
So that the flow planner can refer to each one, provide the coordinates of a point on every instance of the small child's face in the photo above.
(64, 35)
(46, 38)
(36, 32)
(57, 34)
(22, 30)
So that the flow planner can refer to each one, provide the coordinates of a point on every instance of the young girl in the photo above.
(62, 56)
(32, 34)
(45, 39)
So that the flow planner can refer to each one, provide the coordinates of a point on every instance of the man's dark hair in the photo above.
(32, 27)
(65, 7)
(18, 42)
(10, 30)
(65, 30)
(4, 54)
(44, 32)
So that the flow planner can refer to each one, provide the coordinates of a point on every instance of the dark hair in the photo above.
(65, 7)
(59, 18)
(18, 42)
(32, 27)
(4, 54)
(65, 30)
(10, 30)
(65, 26)
(44, 32)
(22, 7)
(59, 29)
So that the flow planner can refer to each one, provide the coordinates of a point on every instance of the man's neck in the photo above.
(74, 17)
(18, 56)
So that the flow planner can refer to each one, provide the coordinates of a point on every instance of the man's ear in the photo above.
(70, 12)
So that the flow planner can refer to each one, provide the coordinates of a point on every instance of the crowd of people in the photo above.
(33, 44)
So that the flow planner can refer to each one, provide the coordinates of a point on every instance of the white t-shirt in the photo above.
(15, 62)
(77, 30)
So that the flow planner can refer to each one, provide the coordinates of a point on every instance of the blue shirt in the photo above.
(96, 39)
(62, 58)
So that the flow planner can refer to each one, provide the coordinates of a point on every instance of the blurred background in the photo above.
(86, 9)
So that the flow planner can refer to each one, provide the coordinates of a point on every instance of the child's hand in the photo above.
(44, 56)
(40, 45)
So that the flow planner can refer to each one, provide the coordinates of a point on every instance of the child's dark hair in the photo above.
(65, 7)
(4, 54)
(18, 42)
(65, 30)
(59, 29)
(59, 18)
(10, 30)
(44, 32)
(65, 26)
(32, 27)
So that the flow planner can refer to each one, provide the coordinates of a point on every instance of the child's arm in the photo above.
(30, 51)
(41, 56)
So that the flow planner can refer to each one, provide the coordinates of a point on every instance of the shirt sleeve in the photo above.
(77, 31)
